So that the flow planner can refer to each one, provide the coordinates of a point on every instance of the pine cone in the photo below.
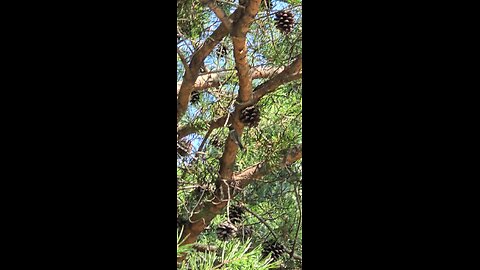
(236, 213)
(285, 21)
(222, 50)
(195, 97)
(226, 231)
(215, 142)
(181, 221)
(275, 248)
(250, 116)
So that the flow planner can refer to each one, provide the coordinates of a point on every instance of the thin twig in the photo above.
(184, 62)
(262, 221)
(299, 203)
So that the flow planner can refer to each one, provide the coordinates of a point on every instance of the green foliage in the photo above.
(233, 255)
(191, 17)
(294, 2)
(181, 249)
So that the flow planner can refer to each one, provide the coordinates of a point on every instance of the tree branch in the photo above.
(292, 155)
(262, 221)
(186, 130)
(197, 61)
(239, 34)
(184, 61)
(219, 12)
(189, 129)
(259, 170)
(203, 247)
(215, 79)
(290, 73)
